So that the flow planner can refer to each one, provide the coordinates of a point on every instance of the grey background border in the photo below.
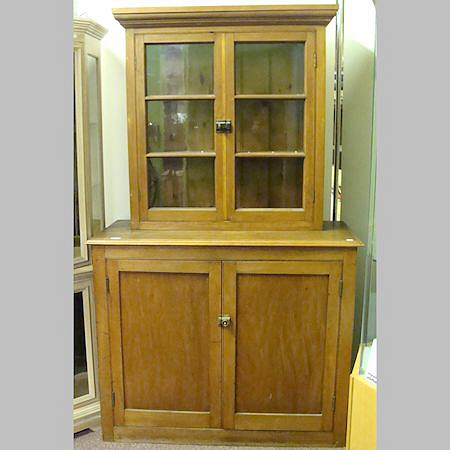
(36, 225)
(412, 224)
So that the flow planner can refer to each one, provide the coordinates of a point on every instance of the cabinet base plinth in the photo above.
(225, 437)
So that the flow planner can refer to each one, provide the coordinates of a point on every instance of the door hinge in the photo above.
(107, 285)
(333, 403)
(113, 399)
(341, 286)
(314, 197)
(315, 60)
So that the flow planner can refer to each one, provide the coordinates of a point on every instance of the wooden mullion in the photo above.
(308, 127)
(229, 345)
(141, 114)
(163, 266)
(343, 357)
(331, 343)
(183, 37)
(273, 36)
(102, 312)
(319, 129)
(179, 419)
(281, 422)
(219, 138)
(215, 345)
(113, 273)
(229, 91)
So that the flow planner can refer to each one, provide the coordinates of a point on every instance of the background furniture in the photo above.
(88, 214)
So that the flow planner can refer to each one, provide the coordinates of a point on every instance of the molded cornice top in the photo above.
(225, 15)
(88, 26)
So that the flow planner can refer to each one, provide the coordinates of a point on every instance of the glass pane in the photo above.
(95, 148)
(269, 125)
(80, 380)
(177, 69)
(181, 182)
(180, 125)
(76, 209)
(270, 68)
(269, 182)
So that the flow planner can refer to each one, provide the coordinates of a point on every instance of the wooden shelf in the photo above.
(181, 154)
(270, 96)
(180, 97)
(270, 154)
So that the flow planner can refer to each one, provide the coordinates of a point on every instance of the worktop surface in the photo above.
(333, 234)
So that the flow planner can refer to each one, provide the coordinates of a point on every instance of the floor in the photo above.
(91, 440)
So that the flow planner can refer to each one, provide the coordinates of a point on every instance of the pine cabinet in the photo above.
(225, 305)
(225, 337)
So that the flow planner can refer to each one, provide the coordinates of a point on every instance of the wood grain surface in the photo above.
(281, 325)
(164, 339)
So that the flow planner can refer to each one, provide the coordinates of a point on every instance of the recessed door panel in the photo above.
(280, 343)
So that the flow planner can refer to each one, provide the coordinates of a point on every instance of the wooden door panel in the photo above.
(281, 350)
(280, 343)
(166, 342)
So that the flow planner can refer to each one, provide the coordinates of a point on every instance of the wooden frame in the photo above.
(224, 26)
(81, 154)
(86, 43)
(89, 402)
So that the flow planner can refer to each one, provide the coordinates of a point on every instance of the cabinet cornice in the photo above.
(225, 15)
(89, 27)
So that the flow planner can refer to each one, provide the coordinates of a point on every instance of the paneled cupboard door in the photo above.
(165, 343)
(280, 350)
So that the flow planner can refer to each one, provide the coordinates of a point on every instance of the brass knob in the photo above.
(224, 321)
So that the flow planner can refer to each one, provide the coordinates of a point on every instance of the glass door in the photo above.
(178, 159)
(84, 388)
(273, 143)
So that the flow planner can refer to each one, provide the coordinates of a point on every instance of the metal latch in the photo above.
(223, 126)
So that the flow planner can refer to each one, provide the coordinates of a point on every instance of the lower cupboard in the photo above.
(224, 344)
